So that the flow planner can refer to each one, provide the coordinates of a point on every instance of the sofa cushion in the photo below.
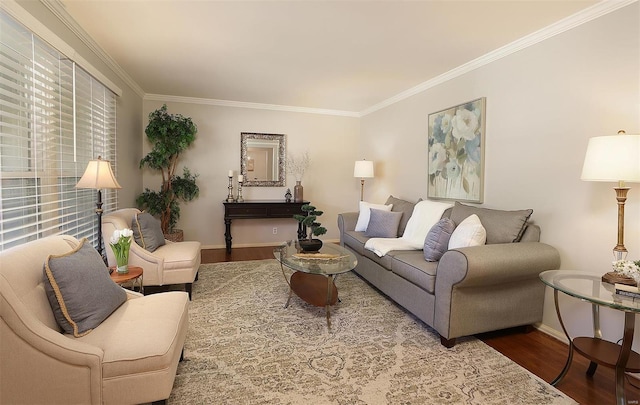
(403, 206)
(412, 267)
(501, 226)
(143, 335)
(79, 289)
(437, 240)
(365, 214)
(147, 231)
(469, 232)
(425, 214)
(383, 224)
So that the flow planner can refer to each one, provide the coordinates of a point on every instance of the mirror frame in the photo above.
(244, 138)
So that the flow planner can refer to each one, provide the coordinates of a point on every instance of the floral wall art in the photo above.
(456, 152)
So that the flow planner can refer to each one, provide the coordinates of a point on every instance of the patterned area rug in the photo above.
(244, 347)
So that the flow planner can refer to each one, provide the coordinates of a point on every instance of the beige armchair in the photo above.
(172, 263)
(130, 358)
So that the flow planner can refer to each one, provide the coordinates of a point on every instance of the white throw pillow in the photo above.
(425, 215)
(469, 232)
(365, 214)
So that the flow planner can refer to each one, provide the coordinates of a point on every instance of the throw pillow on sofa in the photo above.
(403, 206)
(383, 224)
(80, 290)
(469, 232)
(147, 231)
(425, 215)
(365, 213)
(437, 241)
(501, 226)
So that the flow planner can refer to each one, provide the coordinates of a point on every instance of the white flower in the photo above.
(464, 123)
(445, 124)
(628, 268)
(437, 158)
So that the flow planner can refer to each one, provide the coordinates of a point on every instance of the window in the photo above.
(54, 118)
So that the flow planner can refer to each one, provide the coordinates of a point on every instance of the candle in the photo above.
(240, 178)
(230, 173)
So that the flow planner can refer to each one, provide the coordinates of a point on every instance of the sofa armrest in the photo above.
(151, 264)
(495, 264)
(347, 221)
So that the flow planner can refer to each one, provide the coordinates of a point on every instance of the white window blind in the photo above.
(54, 118)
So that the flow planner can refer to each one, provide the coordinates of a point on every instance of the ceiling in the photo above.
(335, 55)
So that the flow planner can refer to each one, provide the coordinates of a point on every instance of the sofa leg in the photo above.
(448, 343)
(188, 287)
(197, 275)
(182, 355)
(161, 402)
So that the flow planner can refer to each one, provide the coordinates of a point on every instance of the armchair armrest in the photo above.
(495, 264)
(151, 264)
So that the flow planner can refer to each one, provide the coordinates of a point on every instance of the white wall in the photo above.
(329, 184)
(543, 104)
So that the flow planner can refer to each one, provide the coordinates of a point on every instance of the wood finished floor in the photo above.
(536, 351)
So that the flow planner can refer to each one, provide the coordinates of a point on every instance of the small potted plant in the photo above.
(316, 229)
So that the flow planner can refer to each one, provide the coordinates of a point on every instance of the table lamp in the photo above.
(614, 158)
(364, 170)
(98, 175)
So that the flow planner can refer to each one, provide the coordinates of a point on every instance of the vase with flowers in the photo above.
(297, 165)
(120, 243)
(628, 268)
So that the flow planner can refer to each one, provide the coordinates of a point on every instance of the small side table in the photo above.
(134, 276)
(590, 288)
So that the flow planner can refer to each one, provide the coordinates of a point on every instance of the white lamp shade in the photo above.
(612, 158)
(363, 169)
(98, 175)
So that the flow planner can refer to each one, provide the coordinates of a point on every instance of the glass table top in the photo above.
(589, 287)
(332, 259)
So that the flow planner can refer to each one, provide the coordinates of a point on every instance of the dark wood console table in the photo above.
(260, 209)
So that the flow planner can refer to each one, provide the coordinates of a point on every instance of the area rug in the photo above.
(244, 347)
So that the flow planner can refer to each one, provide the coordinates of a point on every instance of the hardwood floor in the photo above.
(536, 351)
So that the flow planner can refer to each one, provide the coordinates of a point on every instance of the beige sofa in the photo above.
(130, 358)
(469, 290)
(172, 263)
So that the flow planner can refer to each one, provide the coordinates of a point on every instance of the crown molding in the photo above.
(591, 13)
(242, 104)
(60, 11)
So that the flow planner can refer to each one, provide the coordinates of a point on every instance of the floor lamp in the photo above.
(97, 176)
(364, 170)
(614, 158)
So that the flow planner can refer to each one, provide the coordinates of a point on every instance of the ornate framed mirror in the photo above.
(262, 159)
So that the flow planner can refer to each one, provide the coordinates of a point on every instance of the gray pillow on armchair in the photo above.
(147, 231)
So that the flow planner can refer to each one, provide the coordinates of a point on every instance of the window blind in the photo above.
(54, 118)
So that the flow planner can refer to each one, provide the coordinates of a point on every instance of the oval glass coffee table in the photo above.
(314, 274)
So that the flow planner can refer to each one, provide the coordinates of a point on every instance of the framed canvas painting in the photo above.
(456, 152)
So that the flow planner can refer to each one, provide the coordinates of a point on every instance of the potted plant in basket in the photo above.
(169, 135)
(316, 229)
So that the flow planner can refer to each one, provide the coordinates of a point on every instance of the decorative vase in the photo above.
(124, 269)
(297, 192)
(309, 246)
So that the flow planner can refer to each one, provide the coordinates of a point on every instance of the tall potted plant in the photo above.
(169, 135)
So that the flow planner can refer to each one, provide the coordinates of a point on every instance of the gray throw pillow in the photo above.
(147, 231)
(403, 206)
(437, 241)
(501, 226)
(383, 224)
(80, 290)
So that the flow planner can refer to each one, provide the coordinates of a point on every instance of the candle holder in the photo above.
(230, 187)
(239, 199)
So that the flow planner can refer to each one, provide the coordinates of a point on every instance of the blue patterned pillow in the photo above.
(437, 241)
(383, 224)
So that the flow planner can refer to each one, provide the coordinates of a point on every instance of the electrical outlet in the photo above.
(275, 231)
